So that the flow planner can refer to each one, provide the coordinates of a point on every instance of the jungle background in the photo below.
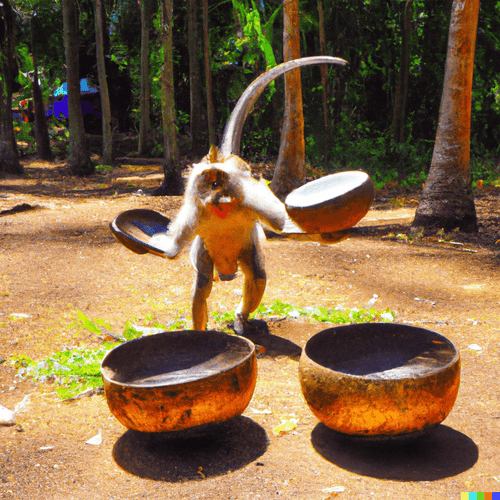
(245, 38)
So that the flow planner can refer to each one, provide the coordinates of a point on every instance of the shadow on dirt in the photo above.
(273, 344)
(440, 453)
(220, 449)
(77, 234)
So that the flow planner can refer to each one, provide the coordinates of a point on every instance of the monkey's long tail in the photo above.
(232, 134)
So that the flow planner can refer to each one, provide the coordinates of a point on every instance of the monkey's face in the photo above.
(228, 187)
(218, 189)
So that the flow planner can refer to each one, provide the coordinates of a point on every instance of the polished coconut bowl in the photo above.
(134, 229)
(332, 203)
(179, 380)
(379, 379)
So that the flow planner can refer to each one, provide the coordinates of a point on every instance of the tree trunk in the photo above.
(9, 161)
(324, 83)
(144, 125)
(290, 172)
(447, 200)
(212, 139)
(398, 119)
(78, 157)
(195, 93)
(173, 184)
(107, 138)
(41, 131)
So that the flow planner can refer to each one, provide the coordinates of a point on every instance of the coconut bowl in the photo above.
(134, 229)
(379, 379)
(332, 203)
(179, 380)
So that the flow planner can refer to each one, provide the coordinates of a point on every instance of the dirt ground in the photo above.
(58, 256)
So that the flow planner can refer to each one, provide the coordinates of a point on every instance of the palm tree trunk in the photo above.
(447, 200)
(290, 171)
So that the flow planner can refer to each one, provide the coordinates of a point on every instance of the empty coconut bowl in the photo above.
(379, 379)
(134, 229)
(179, 380)
(332, 203)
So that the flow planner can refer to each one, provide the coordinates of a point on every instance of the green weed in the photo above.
(76, 369)
(223, 320)
(325, 315)
(103, 168)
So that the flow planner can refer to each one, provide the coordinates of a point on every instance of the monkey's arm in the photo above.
(181, 231)
(258, 197)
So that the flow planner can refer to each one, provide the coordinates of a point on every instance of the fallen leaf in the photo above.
(286, 426)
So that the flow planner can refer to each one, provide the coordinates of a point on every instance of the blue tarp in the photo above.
(60, 107)
(85, 88)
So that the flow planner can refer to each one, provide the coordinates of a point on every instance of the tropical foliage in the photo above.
(246, 37)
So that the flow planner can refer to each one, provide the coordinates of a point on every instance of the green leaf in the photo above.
(130, 331)
(88, 324)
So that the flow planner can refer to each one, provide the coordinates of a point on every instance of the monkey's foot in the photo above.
(250, 327)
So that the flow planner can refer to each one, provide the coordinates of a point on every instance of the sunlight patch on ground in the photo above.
(474, 287)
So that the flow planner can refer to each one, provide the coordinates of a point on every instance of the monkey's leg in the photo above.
(204, 268)
(252, 265)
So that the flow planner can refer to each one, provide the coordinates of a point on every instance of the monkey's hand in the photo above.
(166, 244)
(181, 231)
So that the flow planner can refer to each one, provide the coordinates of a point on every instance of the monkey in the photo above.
(222, 214)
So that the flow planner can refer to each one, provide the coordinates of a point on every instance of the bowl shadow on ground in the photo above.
(437, 454)
(273, 344)
(186, 455)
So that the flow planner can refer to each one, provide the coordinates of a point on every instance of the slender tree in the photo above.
(290, 171)
(195, 91)
(144, 125)
(9, 161)
(107, 137)
(173, 184)
(78, 158)
(447, 200)
(398, 119)
(324, 82)
(208, 77)
(41, 131)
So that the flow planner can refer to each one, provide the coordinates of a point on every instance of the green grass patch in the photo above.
(337, 315)
(76, 369)
(73, 370)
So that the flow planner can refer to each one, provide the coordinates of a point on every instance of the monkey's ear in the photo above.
(214, 156)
